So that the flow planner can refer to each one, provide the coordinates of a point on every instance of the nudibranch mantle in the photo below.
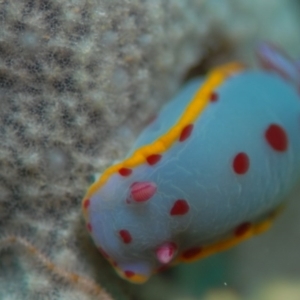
(210, 171)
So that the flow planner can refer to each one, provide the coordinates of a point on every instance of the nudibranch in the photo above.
(210, 171)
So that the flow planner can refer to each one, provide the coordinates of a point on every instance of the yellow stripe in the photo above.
(163, 143)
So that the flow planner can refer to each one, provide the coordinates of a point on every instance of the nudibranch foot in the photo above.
(241, 233)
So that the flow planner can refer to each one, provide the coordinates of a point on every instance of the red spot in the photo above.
(114, 263)
(240, 163)
(125, 171)
(191, 253)
(166, 252)
(186, 132)
(242, 229)
(276, 137)
(162, 268)
(86, 203)
(125, 236)
(153, 159)
(89, 227)
(142, 191)
(180, 207)
(129, 274)
(214, 97)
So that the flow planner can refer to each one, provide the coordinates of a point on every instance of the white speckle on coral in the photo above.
(29, 39)
(120, 78)
(97, 99)
(56, 160)
(145, 39)
(143, 74)
(38, 283)
(32, 160)
(68, 259)
(109, 38)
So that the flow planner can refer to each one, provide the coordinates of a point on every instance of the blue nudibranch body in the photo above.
(212, 170)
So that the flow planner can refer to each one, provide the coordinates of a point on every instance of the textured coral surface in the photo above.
(77, 80)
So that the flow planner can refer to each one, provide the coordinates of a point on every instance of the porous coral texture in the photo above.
(76, 80)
